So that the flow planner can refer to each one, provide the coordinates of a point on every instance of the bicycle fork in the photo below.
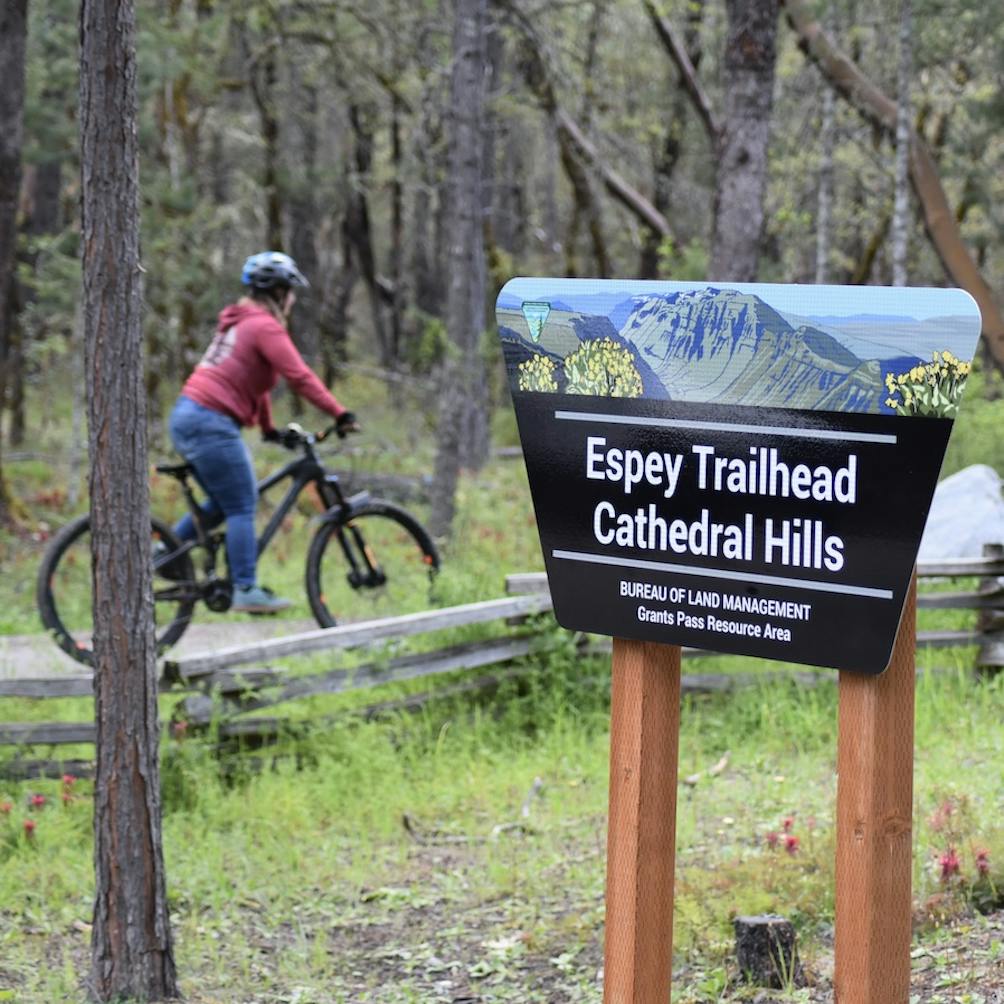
(365, 568)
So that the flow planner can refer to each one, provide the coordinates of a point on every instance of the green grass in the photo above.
(271, 872)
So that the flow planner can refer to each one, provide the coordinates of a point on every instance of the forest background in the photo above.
(412, 157)
(599, 135)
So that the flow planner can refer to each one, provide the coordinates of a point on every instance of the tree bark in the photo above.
(13, 35)
(358, 227)
(901, 196)
(750, 58)
(880, 111)
(263, 82)
(463, 418)
(304, 217)
(131, 949)
(824, 199)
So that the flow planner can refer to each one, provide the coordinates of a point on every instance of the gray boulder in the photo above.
(967, 512)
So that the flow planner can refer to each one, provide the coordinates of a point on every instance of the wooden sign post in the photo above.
(641, 832)
(874, 826)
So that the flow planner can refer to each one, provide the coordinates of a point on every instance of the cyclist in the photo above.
(229, 389)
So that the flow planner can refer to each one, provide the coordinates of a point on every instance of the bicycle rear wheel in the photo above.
(63, 591)
(378, 563)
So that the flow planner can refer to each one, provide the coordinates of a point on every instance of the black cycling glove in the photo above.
(345, 423)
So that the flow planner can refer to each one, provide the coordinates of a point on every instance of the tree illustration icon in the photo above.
(535, 313)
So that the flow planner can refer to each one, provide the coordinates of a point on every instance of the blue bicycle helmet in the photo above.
(271, 268)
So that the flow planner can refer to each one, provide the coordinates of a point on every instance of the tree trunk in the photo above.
(939, 219)
(750, 58)
(901, 198)
(463, 419)
(131, 950)
(304, 217)
(358, 226)
(263, 90)
(824, 201)
(13, 34)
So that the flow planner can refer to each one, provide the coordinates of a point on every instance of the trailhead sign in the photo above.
(744, 468)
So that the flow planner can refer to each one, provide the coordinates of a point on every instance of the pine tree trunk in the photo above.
(750, 58)
(463, 418)
(13, 34)
(131, 950)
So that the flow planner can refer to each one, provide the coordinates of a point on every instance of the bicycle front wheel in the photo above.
(63, 591)
(377, 563)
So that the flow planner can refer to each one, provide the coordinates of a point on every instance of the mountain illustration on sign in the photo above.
(708, 345)
(535, 313)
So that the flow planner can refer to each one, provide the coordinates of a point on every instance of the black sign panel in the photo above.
(711, 471)
(745, 530)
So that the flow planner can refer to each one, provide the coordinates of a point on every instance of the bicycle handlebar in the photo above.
(301, 437)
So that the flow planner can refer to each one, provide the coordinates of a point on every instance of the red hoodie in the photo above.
(244, 361)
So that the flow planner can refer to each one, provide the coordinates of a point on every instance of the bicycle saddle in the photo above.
(174, 470)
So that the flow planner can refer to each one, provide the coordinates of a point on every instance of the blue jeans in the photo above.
(211, 442)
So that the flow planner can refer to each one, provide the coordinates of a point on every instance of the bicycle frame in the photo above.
(303, 471)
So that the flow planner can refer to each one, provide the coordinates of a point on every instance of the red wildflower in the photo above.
(791, 843)
(36, 801)
(29, 828)
(772, 839)
(950, 865)
(69, 780)
(5, 807)
(787, 823)
(983, 861)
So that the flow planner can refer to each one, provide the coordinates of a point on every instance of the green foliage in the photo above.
(425, 352)
(682, 264)
(603, 368)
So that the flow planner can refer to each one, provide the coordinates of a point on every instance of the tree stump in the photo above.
(766, 952)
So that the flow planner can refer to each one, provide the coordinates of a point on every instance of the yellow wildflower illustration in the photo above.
(538, 374)
(931, 390)
(604, 368)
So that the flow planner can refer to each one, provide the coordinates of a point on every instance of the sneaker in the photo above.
(257, 600)
(173, 570)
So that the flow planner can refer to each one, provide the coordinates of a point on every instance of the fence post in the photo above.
(990, 657)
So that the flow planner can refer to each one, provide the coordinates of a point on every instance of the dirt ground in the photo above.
(396, 948)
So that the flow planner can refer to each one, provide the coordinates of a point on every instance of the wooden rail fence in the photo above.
(240, 679)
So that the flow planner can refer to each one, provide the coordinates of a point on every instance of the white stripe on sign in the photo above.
(718, 573)
(756, 430)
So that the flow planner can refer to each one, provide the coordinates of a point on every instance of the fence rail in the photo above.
(239, 679)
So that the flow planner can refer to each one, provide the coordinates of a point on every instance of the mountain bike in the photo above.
(367, 558)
